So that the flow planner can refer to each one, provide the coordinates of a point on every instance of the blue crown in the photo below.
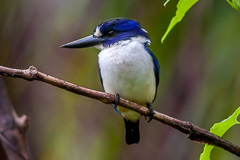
(118, 29)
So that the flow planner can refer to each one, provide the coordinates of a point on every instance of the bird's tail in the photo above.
(132, 131)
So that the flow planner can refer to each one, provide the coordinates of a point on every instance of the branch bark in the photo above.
(195, 133)
(12, 128)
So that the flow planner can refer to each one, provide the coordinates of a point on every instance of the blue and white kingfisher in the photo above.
(127, 67)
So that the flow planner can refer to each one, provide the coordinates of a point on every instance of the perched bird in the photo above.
(127, 67)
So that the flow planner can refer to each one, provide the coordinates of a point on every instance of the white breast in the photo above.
(127, 69)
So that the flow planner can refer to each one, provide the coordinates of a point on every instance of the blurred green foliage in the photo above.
(200, 80)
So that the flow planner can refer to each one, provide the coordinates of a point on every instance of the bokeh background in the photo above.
(200, 79)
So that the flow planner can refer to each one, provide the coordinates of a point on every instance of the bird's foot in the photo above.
(151, 112)
(116, 101)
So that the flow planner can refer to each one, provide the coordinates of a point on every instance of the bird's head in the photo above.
(110, 33)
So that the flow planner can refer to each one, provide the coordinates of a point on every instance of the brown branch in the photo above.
(195, 133)
(12, 128)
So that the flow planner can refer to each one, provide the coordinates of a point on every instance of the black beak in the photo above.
(84, 42)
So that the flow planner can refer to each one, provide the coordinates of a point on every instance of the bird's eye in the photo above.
(110, 33)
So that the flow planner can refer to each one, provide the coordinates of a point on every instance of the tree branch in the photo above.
(12, 128)
(195, 133)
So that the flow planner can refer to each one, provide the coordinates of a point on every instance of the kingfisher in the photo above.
(127, 67)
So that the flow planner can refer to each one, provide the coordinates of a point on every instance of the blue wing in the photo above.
(156, 68)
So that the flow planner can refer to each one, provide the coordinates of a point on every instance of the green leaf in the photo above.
(235, 4)
(219, 129)
(182, 7)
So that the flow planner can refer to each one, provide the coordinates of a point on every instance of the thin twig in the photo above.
(195, 133)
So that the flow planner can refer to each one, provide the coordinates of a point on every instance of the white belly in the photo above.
(128, 71)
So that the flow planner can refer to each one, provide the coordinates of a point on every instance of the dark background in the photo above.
(200, 80)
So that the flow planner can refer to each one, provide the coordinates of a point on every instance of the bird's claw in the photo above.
(116, 101)
(151, 112)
